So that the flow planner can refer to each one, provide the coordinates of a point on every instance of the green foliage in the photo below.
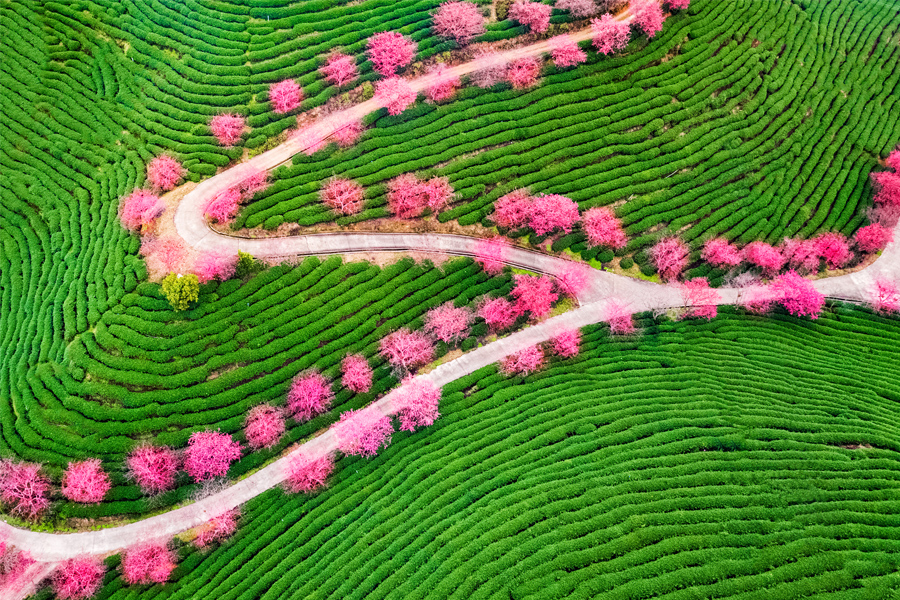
(181, 290)
(626, 263)
(247, 265)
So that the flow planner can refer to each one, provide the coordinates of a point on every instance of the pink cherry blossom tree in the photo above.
(491, 254)
(491, 71)
(417, 404)
(523, 72)
(139, 209)
(461, 22)
(390, 51)
(620, 319)
(498, 313)
(223, 207)
(524, 362)
(885, 296)
(566, 343)
(834, 248)
(145, 563)
(565, 51)
(217, 529)
(512, 210)
(406, 350)
(579, 9)
(610, 34)
(798, 295)
(164, 254)
(602, 228)
(721, 254)
(227, 128)
(670, 257)
(215, 264)
(873, 238)
(285, 96)
(573, 279)
(356, 373)
(437, 192)
(253, 182)
(78, 578)
(13, 563)
(264, 426)
(886, 215)
(343, 196)
(347, 133)
(339, 69)
(209, 454)
(535, 15)
(678, 4)
(553, 212)
(448, 322)
(394, 94)
(24, 490)
(310, 395)
(363, 432)
(533, 294)
(648, 16)
(765, 256)
(408, 197)
(85, 482)
(153, 468)
(307, 475)
(445, 83)
(164, 172)
(702, 299)
(887, 188)
(801, 255)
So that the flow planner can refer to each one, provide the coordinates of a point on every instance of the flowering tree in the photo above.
(394, 94)
(873, 237)
(264, 426)
(721, 254)
(797, 295)
(347, 133)
(339, 69)
(579, 9)
(153, 468)
(670, 257)
(13, 563)
(887, 188)
(523, 362)
(24, 490)
(147, 563)
(285, 96)
(610, 34)
(566, 344)
(648, 16)
(523, 72)
(535, 15)
(491, 71)
(356, 373)
(215, 265)
(801, 255)
(512, 210)
(210, 454)
(227, 128)
(678, 4)
(765, 256)
(491, 254)
(390, 51)
(551, 212)
(461, 22)
(85, 482)
(406, 349)
(885, 297)
(254, 181)
(417, 404)
(574, 279)
(702, 298)
(139, 209)
(533, 294)
(217, 529)
(620, 319)
(448, 322)
(437, 192)
(834, 248)
(305, 474)
(603, 228)
(223, 207)
(164, 172)
(445, 83)
(78, 578)
(565, 51)
(343, 196)
(408, 197)
(498, 313)
(363, 432)
(886, 215)
(310, 395)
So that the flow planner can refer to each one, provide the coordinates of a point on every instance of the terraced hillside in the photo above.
(739, 458)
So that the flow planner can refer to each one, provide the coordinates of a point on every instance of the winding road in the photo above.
(191, 225)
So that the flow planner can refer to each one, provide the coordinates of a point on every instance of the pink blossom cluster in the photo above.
(702, 299)
(343, 196)
(140, 209)
(523, 362)
(363, 432)
(492, 71)
(339, 69)
(347, 133)
(565, 51)
(535, 15)
(227, 128)
(215, 265)
(310, 395)
(448, 323)
(223, 207)
(459, 21)
(356, 373)
(406, 350)
(620, 319)
(566, 343)
(523, 72)
(77, 578)
(873, 237)
(648, 16)
(498, 314)
(798, 295)
(395, 94)
(544, 214)
(24, 490)
(579, 9)
(765, 256)
(678, 4)
(153, 468)
(305, 474)
(533, 294)
(417, 404)
(670, 257)
(610, 34)
(285, 96)
(445, 83)
(264, 426)
(887, 183)
(147, 563)
(491, 254)
(603, 228)
(720, 253)
(85, 482)
(574, 279)
(409, 197)
(217, 529)
(885, 297)
(390, 51)
(209, 454)
(164, 172)
(13, 563)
